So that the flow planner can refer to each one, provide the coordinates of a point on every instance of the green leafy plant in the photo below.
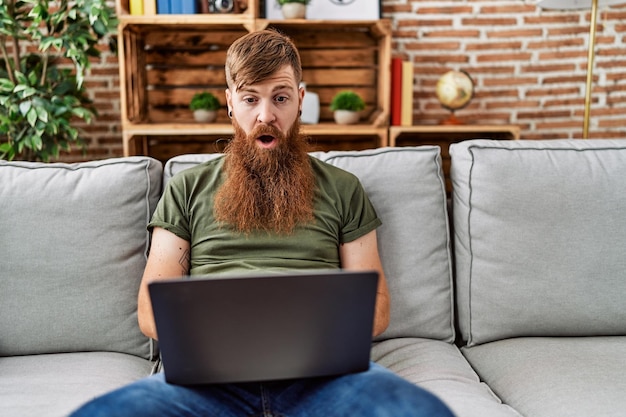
(204, 101)
(46, 47)
(282, 2)
(347, 100)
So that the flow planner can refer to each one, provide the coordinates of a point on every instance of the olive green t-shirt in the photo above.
(343, 213)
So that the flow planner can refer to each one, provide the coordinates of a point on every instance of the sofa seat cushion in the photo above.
(73, 242)
(548, 377)
(441, 369)
(539, 238)
(407, 189)
(55, 384)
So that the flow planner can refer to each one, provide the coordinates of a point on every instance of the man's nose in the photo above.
(266, 113)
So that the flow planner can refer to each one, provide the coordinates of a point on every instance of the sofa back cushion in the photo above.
(540, 238)
(73, 244)
(406, 187)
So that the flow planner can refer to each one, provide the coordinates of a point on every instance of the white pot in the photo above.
(310, 107)
(346, 117)
(294, 10)
(205, 116)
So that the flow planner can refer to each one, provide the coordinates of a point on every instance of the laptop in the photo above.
(264, 327)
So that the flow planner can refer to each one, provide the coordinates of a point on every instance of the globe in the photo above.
(454, 90)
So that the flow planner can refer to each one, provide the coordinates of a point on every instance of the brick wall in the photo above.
(529, 66)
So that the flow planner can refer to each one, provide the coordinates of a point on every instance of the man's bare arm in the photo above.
(362, 254)
(169, 258)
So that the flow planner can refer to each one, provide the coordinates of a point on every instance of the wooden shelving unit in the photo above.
(413, 135)
(444, 135)
(165, 59)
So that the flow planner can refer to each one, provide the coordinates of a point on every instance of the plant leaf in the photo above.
(25, 107)
(31, 116)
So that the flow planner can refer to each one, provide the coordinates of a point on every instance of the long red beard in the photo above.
(266, 189)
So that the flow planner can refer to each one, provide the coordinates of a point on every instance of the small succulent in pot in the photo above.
(346, 106)
(204, 106)
(293, 9)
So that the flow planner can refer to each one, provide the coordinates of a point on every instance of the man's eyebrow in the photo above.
(247, 90)
(282, 87)
(253, 90)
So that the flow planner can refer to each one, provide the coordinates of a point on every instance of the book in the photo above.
(396, 91)
(406, 108)
(204, 6)
(136, 7)
(176, 6)
(163, 6)
(149, 7)
(187, 6)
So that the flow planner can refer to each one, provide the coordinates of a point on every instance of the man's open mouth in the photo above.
(266, 140)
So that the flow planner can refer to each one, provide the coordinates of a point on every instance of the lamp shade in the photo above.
(575, 4)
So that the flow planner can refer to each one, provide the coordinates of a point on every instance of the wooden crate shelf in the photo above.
(164, 141)
(414, 135)
(166, 59)
(161, 75)
(344, 55)
(444, 135)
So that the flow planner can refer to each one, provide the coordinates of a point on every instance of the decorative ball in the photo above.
(455, 89)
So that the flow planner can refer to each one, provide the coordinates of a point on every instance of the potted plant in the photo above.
(346, 106)
(204, 106)
(46, 47)
(293, 9)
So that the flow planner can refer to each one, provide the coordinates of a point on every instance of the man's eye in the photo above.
(281, 99)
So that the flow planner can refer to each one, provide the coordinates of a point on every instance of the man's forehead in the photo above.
(282, 79)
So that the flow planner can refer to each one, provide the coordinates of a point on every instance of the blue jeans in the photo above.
(376, 392)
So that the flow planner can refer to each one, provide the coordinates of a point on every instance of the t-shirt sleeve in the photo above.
(361, 216)
(171, 211)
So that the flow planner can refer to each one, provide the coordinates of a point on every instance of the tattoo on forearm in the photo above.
(184, 261)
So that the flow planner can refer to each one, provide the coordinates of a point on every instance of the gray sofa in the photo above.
(512, 303)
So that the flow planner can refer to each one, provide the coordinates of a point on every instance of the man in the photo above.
(266, 205)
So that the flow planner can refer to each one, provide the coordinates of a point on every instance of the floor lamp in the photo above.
(576, 5)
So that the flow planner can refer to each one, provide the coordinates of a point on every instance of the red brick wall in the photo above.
(105, 132)
(529, 66)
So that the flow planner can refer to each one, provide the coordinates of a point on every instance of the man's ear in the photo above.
(301, 92)
(229, 100)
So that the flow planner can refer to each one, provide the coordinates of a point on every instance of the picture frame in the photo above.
(332, 10)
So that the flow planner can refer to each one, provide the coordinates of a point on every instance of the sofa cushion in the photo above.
(440, 368)
(547, 377)
(54, 385)
(406, 187)
(73, 247)
(539, 238)
(182, 162)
